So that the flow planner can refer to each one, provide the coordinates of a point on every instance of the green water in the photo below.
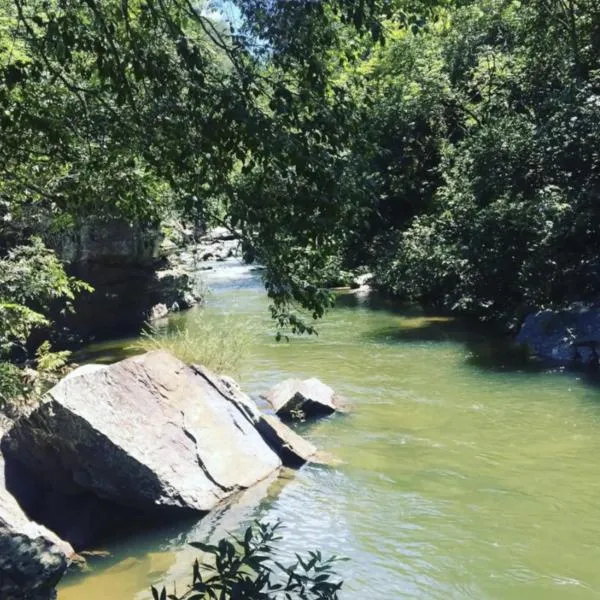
(464, 475)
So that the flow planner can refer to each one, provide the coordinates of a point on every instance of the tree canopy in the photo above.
(450, 146)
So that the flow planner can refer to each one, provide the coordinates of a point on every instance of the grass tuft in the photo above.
(219, 345)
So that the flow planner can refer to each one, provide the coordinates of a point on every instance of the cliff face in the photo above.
(123, 262)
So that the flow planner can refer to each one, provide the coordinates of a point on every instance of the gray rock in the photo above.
(148, 432)
(32, 558)
(552, 335)
(296, 399)
(158, 311)
(293, 450)
(83, 370)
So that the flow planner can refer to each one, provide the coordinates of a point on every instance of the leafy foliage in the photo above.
(507, 220)
(245, 569)
(448, 145)
(31, 279)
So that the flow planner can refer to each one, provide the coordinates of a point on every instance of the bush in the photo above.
(32, 281)
(513, 224)
(245, 569)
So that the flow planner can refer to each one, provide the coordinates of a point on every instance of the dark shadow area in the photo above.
(487, 347)
(106, 353)
(378, 301)
(82, 518)
(238, 511)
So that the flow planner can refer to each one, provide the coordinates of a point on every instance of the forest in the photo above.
(449, 147)
(447, 152)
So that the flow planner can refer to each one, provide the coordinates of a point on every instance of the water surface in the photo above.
(465, 474)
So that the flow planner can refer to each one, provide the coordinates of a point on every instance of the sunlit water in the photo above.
(464, 474)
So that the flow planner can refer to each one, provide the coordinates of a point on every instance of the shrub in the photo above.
(245, 569)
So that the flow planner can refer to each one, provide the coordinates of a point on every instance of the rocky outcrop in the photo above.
(296, 399)
(129, 272)
(112, 446)
(32, 558)
(216, 245)
(148, 434)
(566, 337)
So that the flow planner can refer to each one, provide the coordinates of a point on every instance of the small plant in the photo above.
(217, 345)
(244, 569)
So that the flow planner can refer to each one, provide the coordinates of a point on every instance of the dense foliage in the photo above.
(449, 146)
(31, 279)
(498, 122)
(246, 569)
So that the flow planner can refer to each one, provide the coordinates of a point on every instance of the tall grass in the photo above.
(221, 345)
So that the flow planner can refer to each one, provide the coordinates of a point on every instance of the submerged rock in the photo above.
(296, 399)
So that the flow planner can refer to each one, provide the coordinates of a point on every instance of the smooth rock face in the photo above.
(552, 334)
(293, 450)
(296, 399)
(32, 558)
(148, 432)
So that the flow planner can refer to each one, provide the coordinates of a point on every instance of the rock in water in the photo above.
(296, 399)
(148, 432)
(32, 558)
(555, 335)
(293, 450)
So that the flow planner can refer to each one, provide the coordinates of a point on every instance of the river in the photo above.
(464, 473)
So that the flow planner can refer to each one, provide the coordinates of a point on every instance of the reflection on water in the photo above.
(466, 473)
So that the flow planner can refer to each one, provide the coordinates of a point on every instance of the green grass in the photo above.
(219, 345)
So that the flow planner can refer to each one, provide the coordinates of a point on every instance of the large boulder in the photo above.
(148, 432)
(297, 399)
(563, 336)
(32, 558)
(148, 435)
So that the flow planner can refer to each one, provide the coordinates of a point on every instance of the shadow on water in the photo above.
(377, 301)
(172, 540)
(488, 347)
